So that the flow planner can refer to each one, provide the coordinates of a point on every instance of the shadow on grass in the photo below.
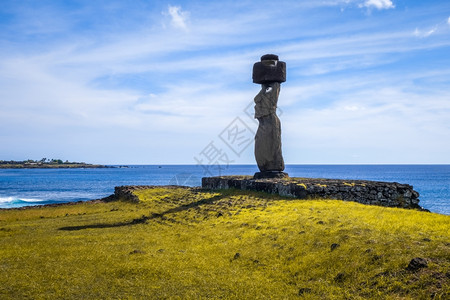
(144, 218)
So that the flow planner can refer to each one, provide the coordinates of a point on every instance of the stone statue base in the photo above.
(270, 174)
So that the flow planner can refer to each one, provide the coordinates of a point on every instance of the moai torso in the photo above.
(266, 100)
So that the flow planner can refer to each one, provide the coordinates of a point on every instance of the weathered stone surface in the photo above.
(270, 174)
(416, 264)
(268, 137)
(366, 192)
(126, 193)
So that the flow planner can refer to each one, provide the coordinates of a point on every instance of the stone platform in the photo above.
(391, 194)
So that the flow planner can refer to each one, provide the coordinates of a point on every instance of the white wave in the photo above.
(7, 199)
(12, 199)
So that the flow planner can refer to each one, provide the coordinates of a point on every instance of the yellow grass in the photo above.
(190, 244)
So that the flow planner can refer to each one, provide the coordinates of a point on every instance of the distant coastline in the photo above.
(46, 164)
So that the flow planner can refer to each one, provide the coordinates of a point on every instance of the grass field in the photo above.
(181, 243)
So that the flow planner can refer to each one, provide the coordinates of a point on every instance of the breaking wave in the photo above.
(7, 202)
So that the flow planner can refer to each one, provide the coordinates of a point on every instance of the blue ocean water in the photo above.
(22, 187)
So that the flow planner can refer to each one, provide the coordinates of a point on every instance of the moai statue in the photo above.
(270, 73)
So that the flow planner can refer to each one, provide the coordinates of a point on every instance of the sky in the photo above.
(170, 82)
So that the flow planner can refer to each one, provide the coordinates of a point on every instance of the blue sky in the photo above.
(154, 82)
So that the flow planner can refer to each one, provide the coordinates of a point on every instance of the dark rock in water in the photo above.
(416, 264)
(334, 246)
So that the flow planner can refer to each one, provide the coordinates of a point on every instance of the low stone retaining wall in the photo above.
(126, 192)
(391, 194)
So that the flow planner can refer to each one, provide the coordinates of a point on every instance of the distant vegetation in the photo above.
(44, 163)
(187, 243)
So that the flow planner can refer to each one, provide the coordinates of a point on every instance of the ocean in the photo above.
(23, 187)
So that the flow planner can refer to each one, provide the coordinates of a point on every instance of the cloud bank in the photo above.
(379, 4)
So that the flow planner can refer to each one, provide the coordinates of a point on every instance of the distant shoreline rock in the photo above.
(48, 165)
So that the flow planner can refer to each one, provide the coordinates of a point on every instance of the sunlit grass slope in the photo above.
(190, 244)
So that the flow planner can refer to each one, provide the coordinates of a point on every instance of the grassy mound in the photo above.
(188, 243)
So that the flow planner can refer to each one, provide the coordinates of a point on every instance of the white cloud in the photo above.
(424, 34)
(431, 31)
(379, 4)
(448, 21)
(179, 17)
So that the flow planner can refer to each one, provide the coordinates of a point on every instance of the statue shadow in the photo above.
(144, 218)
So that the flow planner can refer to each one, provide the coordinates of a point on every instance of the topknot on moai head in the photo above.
(269, 57)
(269, 69)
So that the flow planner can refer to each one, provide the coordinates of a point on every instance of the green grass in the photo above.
(189, 244)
